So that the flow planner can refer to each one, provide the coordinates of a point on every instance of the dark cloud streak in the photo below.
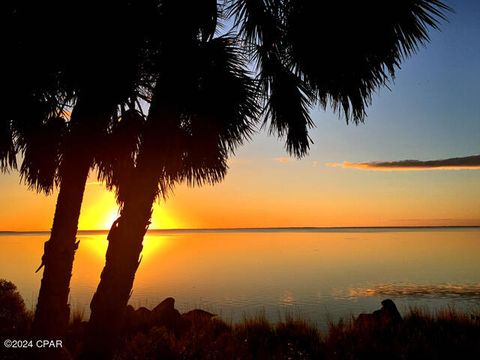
(459, 163)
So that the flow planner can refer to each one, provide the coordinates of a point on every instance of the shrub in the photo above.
(14, 318)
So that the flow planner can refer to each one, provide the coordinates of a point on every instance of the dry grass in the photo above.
(254, 338)
(446, 334)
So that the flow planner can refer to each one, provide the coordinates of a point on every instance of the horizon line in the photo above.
(265, 228)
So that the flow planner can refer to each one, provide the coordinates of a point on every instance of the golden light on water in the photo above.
(97, 245)
(257, 266)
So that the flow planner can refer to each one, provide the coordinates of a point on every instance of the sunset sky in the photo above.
(431, 113)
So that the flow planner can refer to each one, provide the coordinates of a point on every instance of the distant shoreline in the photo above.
(269, 229)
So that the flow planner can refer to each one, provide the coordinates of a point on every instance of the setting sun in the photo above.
(100, 210)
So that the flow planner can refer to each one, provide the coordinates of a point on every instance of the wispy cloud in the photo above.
(460, 163)
(282, 159)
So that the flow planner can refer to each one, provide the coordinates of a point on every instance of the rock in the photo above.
(198, 314)
(165, 314)
(129, 318)
(390, 312)
(142, 312)
(136, 320)
(129, 311)
(142, 317)
(387, 316)
(166, 305)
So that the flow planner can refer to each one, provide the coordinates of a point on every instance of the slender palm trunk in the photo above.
(53, 311)
(122, 260)
(125, 243)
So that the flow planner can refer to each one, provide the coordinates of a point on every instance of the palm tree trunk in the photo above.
(126, 235)
(53, 311)
(122, 260)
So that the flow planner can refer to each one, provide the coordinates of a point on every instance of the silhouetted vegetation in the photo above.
(164, 333)
(421, 335)
(445, 334)
(14, 317)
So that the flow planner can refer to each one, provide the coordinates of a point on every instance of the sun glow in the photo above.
(110, 218)
(99, 209)
(163, 219)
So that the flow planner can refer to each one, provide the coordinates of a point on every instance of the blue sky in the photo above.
(432, 110)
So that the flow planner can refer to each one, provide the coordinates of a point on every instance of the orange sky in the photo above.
(273, 192)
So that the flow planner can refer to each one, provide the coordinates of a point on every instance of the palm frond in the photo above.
(42, 154)
(346, 50)
(116, 156)
(7, 146)
(225, 94)
(256, 20)
(332, 52)
(288, 107)
(286, 97)
(221, 111)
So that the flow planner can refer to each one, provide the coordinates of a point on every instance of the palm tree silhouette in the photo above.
(33, 124)
(101, 68)
(32, 121)
(192, 125)
(202, 109)
(91, 69)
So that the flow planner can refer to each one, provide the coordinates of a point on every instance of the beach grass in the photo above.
(421, 334)
(445, 334)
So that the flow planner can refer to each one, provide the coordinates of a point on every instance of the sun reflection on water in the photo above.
(97, 244)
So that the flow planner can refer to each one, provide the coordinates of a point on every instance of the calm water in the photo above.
(321, 275)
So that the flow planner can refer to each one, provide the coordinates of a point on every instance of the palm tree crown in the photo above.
(325, 52)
